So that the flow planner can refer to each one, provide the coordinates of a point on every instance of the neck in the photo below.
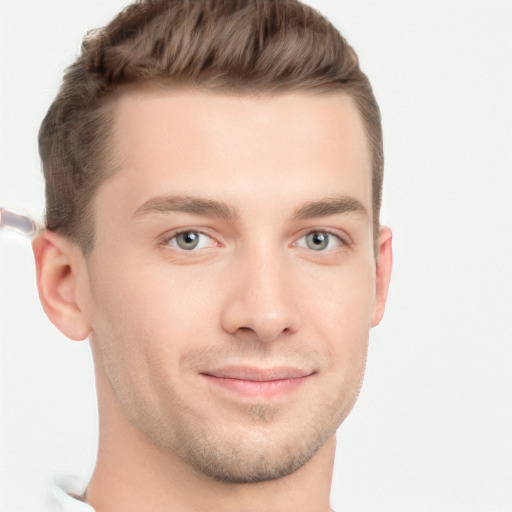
(132, 474)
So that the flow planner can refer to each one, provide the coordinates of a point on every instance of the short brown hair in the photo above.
(240, 46)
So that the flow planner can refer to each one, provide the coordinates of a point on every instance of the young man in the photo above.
(214, 177)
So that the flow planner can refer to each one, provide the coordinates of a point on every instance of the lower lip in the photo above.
(260, 389)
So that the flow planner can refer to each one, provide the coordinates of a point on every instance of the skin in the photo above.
(274, 282)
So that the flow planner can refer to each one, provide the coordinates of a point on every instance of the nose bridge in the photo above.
(262, 299)
(267, 279)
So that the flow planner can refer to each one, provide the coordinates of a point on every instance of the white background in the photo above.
(432, 430)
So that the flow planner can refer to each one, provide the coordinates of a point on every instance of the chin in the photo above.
(253, 456)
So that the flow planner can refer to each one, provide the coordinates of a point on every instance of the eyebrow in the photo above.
(332, 205)
(187, 204)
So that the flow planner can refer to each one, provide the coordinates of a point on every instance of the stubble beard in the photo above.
(265, 453)
(261, 450)
(254, 443)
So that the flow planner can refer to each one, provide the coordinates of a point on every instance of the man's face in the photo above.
(231, 289)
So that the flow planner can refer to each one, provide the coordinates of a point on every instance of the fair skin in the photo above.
(228, 298)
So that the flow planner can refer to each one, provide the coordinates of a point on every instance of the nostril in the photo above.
(262, 310)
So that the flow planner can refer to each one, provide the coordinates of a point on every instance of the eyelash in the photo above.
(342, 241)
(168, 239)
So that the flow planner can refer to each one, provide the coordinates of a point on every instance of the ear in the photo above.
(58, 267)
(384, 266)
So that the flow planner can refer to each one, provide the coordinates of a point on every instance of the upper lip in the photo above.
(258, 374)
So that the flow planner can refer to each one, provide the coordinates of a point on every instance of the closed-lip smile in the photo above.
(252, 381)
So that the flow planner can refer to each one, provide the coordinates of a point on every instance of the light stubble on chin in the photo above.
(237, 462)
(266, 449)
(268, 445)
(241, 463)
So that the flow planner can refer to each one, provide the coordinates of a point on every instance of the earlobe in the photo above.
(57, 274)
(384, 266)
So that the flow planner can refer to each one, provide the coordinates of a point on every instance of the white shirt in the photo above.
(58, 494)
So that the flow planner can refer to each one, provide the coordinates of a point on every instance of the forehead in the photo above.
(281, 147)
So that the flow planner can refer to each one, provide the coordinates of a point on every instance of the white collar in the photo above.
(61, 491)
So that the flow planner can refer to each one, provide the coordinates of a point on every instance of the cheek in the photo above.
(341, 313)
(150, 310)
(345, 297)
(138, 333)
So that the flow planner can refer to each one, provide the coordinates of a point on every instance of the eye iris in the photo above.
(317, 241)
(188, 240)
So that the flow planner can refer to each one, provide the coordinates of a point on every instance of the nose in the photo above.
(261, 297)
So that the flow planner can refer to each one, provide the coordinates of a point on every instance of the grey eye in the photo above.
(317, 241)
(187, 240)
(190, 241)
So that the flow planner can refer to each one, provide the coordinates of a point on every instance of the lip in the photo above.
(258, 382)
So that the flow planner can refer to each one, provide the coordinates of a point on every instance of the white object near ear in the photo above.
(18, 222)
